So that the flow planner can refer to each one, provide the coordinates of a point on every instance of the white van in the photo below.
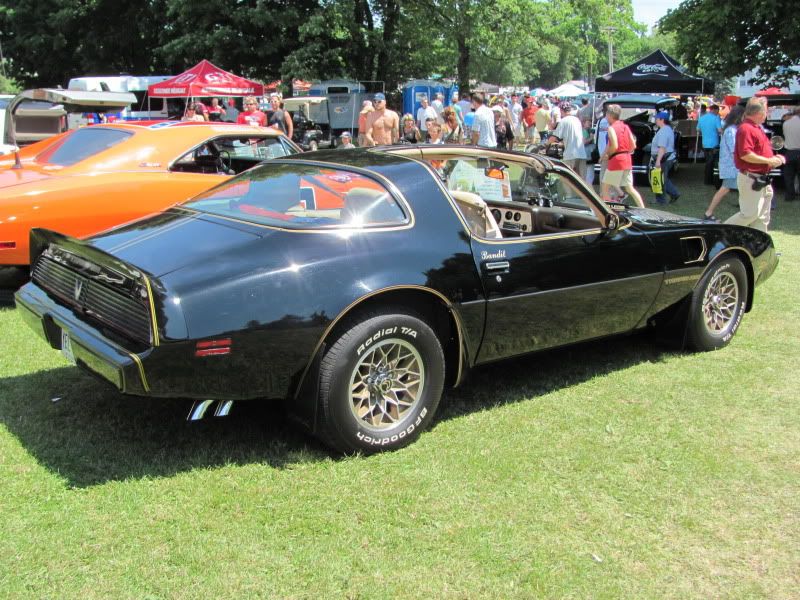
(159, 108)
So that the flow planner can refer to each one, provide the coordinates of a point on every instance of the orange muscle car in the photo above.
(91, 179)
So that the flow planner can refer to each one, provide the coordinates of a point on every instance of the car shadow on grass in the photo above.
(82, 430)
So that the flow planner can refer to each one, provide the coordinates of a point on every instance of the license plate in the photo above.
(66, 347)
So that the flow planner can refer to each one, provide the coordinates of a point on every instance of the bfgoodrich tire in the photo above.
(380, 383)
(718, 305)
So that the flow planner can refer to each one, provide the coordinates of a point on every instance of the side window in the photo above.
(499, 199)
(255, 149)
(299, 196)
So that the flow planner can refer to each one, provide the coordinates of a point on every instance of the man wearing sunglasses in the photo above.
(383, 125)
(251, 115)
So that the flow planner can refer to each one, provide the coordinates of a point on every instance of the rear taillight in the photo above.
(8, 245)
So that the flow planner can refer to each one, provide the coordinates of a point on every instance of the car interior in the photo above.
(501, 200)
(228, 155)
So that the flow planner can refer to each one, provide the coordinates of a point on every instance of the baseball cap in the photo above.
(345, 134)
(497, 108)
(662, 115)
(379, 96)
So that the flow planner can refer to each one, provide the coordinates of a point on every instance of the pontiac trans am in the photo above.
(356, 285)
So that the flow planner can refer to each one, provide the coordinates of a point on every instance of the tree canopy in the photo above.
(728, 38)
(539, 42)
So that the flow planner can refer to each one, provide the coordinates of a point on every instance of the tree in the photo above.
(8, 85)
(732, 38)
(47, 42)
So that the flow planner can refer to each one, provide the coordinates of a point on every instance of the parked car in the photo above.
(312, 122)
(89, 179)
(357, 310)
(638, 111)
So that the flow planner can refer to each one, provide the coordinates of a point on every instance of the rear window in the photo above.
(82, 144)
(3, 103)
(300, 196)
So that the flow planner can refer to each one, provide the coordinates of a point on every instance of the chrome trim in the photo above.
(138, 362)
(495, 266)
(352, 305)
(702, 254)
(198, 410)
(223, 408)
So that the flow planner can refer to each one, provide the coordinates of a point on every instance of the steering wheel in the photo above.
(225, 162)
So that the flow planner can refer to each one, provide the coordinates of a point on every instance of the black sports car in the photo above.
(355, 285)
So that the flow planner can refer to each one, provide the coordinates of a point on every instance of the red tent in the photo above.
(204, 79)
(772, 91)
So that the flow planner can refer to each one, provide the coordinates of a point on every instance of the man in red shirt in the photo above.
(754, 159)
(251, 115)
(529, 119)
(618, 153)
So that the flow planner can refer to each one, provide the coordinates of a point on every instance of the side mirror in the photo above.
(612, 222)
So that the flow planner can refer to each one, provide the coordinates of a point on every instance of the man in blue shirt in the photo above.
(709, 125)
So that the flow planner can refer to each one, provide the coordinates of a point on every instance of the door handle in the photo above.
(502, 265)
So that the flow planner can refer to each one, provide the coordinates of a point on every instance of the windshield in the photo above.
(300, 196)
(82, 144)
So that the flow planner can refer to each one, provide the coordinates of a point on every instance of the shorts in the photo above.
(729, 183)
(618, 179)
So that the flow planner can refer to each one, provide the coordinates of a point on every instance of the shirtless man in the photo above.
(383, 125)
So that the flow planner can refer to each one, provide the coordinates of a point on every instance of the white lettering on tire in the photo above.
(390, 439)
(407, 331)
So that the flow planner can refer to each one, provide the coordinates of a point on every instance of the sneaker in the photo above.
(710, 219)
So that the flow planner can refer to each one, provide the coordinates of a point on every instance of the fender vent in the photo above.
(693, 249)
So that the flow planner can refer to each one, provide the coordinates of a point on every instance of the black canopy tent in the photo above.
(656, 73)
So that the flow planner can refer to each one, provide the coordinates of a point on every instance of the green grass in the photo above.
(617, 469)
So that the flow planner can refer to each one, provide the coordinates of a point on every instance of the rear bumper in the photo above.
(93, 352)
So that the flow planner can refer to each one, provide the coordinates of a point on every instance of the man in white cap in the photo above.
(346, 141)
(569, 131)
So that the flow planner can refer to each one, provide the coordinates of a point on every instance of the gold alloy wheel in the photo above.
(719, 303)
(386, 384)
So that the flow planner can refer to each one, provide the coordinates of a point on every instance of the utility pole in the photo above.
(610, 31)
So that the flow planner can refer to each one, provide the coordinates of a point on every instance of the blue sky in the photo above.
(650, 11)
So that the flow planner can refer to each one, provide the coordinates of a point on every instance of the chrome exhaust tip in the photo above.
(200, 408)
(223, 408)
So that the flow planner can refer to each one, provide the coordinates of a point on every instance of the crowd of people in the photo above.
(731, 137)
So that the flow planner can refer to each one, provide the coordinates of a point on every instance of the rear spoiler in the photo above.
(85, 258)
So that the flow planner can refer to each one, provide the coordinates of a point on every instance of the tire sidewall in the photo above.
(701, 337)
(356, 434)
